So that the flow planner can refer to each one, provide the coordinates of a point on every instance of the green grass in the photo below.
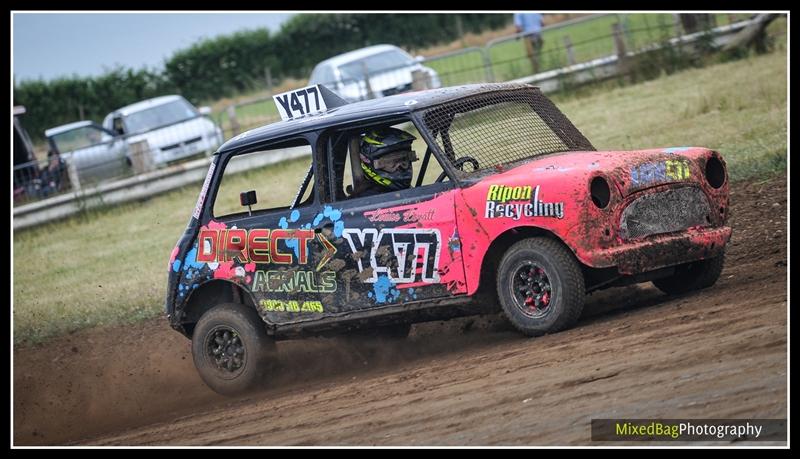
(737, 108)
(110, 266)
(590, 39)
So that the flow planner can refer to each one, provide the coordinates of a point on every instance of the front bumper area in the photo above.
(663, 250)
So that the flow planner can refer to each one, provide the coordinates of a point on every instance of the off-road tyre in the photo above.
(231, 348)
(692, 276)
(547, 264)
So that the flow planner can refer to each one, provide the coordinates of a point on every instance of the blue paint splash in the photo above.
(333, 214)
(190, 261)
(384, 290)
(176, 266)
(292, 244)
(329, 212)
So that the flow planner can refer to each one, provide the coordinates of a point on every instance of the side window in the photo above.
(118, 128)
(387, 157)
(324, 75)
(277, 185)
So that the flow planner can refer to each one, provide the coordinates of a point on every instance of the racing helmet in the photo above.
(386, 157)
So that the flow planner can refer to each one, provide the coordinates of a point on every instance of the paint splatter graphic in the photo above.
(328, 212)
(384, 290)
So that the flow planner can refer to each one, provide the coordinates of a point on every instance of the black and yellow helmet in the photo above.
(386, 157)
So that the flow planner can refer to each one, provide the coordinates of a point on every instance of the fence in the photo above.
(85, 154)
(576, 51)
(566, 43)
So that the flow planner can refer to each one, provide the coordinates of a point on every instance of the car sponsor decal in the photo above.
(291, 306)
(199, 206)
(399, 255)
(294, 281)
(660, 171)
(515, 202)
(220, 249)
(255, 245)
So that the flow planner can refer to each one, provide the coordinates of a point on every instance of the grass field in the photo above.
(110, 266)
(590, 38)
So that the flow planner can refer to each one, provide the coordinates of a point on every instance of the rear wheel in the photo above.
(692, 276)
(540, 286)
(231, 348)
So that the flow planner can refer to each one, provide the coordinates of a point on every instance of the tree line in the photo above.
(231, 64)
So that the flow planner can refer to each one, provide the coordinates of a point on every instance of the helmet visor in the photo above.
(395, 161)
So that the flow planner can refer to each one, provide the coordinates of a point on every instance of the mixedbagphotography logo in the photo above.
(727, 430)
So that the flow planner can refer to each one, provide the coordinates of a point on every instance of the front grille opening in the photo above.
(665, 212)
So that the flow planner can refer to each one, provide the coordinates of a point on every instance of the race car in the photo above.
(509, 207)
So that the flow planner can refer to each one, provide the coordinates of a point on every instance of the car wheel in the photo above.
(692, 276)
(231, 348)
(540, 286)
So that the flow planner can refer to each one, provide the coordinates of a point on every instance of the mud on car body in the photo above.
(511, 209)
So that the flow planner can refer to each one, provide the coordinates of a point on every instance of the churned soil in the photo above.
(636, 353)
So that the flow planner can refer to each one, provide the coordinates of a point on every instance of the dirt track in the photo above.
(719, 353)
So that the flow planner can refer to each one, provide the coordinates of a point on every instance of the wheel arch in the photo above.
(206, 296)
(498, 247)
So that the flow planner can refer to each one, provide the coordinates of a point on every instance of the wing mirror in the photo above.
(205, 111)
(248, 198)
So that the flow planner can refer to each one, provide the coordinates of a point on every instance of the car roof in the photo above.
(145, 104)
(67, 127)
(357, 54)
(399, 104)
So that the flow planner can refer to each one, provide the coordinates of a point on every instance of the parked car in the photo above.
(171, 126)
(26, 168)
(521, 215)
(390, 71)
(91, 150)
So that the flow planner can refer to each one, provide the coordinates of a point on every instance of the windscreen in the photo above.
(387, 60)
(78, 138)
(160, 115)
(492, 129)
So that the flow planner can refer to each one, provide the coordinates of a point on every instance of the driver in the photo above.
(386, 158)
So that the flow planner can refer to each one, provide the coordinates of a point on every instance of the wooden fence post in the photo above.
(231, 111)
(141, 158)
(570, 51)
(365, 71)
(74, 179)
(420, 80)
(623, 63)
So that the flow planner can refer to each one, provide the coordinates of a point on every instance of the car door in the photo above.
(393, 248)
(269, 245)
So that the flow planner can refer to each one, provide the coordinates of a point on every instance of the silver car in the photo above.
(169, 128)
(371, 72)
(93, 152)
